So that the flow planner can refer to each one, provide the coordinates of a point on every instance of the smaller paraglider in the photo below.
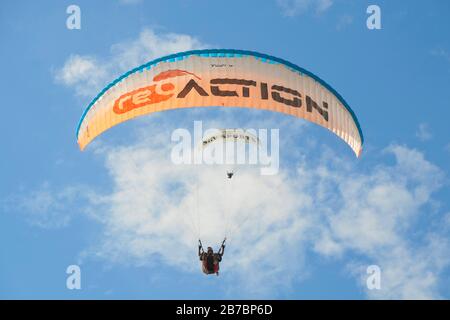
(210, 260)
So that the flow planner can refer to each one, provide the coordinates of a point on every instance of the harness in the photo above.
(210, 263)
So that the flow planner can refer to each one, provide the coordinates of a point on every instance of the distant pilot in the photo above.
(210, 260)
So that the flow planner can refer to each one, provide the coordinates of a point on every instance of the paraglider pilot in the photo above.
(210, 260)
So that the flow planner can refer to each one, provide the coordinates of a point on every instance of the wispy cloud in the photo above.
(321, 205)
(88, 74)
(153, 212)
(441, 53)
(327, 206)
(46, 207)
(85, 74)
(423, 132)
(375, 218)
(130, 1)
(292, 8)
(344, 21)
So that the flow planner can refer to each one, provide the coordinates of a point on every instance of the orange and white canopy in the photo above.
(224, 78)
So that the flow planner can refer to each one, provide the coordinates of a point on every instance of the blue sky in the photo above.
(336, 214)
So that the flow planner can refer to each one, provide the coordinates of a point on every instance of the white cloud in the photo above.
(380, 203)
(293, 7)
(325, 206)
(46, 207)
(151, 214)
(88, 74)
(323, 5)
(375, 216)
(408, 272)
(423, 132)
(151, 45)
(84, 73)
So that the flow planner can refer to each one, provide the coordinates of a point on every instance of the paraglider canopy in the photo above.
(224, 78)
